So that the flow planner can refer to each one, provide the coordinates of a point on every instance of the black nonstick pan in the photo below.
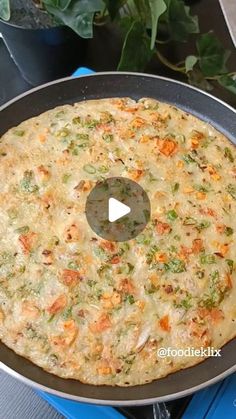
(100, 85)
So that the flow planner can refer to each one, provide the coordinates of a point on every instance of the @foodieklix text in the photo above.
(188, 352)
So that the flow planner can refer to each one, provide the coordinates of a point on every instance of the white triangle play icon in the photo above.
(116, 210)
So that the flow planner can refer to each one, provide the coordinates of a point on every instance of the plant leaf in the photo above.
(136, 51)
(228, 82)
(190, 62)
(180, 22)
(5, 13)
(113, 7)
(157, 7)
(63, 4)
(212, 55)
(196, 78)
(78, 15)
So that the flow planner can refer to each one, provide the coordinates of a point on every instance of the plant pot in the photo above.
(44, 54)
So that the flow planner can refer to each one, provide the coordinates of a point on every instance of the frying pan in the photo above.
(100, 85)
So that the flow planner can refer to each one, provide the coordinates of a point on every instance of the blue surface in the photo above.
(76, 410)
(214, 402)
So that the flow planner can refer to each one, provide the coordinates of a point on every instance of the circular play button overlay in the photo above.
(118, 209)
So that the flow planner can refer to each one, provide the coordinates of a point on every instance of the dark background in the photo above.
(103, 53)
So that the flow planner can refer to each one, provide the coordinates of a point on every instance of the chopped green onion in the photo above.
(229, 231)
(231, 189)
(108, 138)
(175, 266)
(188, 159)
(130, 299)
(76, 120)
(203, 224)
(103, 169)
(66, 177)
(207, 259)
(228, 154)
(63, 132)
(89, 169)
(22, 230)
(73, 265)
(180, 138)
(19, 132)
(175, 187)
(172, 215)
(230, 264)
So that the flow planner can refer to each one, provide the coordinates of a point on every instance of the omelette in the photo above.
(98, 311)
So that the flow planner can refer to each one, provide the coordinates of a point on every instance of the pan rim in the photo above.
(114, 73)
(136, 402)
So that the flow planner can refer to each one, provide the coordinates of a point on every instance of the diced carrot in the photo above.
(200, 195)
(43, 172)
(184, 252)
(211, 212)
(138, 122)
(131, 110)
(140, 304)
(154, 279)
(42, 138)
(103, 323)
(108, 245)
(58, 305)
(116, 298)
(188, 190)
(224, 248)
(70, 277)
(103, 126)
(197, 246)
(220, 228)
(196, 138)
(69, 335)
(229, 281)
(111, 300)
(168, 147)
(47, 257)
(69, 325)
(135, 174)
(212, 171)
(30, 310)
(72, 233)
(214, 314)
(115, 260)
(161, 257)
(27, 241)
(162, 228)
(127, 286)
(127, 133)
(104, 370)
(164, 323)
(180, 164)
(47, 200)
(2, 316)
(144, 139)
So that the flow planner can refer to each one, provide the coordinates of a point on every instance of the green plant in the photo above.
(147, 26)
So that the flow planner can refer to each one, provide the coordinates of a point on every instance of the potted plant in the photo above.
(147, 29)
(42, 49)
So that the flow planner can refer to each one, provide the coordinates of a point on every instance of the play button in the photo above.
(117, 209)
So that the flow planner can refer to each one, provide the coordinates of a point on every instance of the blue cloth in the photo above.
(82, 71)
